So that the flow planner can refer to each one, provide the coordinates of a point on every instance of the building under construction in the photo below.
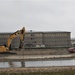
(39, 39)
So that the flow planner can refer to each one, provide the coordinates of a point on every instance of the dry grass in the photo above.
(39, 71)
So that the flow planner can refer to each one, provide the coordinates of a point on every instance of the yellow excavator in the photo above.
(21, 33)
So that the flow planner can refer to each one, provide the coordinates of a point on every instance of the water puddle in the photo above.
(69, 62)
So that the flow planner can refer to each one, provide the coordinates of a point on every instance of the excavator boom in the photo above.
(21, 33)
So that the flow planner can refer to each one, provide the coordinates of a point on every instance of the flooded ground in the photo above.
(47, 63)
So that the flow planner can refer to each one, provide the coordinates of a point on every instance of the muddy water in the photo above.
(69, 62)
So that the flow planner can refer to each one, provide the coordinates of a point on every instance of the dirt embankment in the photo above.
(30, 70)
(43, 52)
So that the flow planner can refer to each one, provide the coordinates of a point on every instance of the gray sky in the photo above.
(37, 15)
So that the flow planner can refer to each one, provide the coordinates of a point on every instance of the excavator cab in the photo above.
(3, 49)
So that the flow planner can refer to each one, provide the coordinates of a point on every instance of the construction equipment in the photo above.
(71, 50)
(21, 33)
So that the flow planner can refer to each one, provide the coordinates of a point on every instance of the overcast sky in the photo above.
(37, 15)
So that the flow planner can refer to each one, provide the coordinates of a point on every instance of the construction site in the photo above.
(35, 52)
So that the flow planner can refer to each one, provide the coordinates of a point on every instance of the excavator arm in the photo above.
(21, 33)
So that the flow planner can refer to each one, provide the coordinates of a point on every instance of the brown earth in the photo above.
(28, 70)
(42, 52)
